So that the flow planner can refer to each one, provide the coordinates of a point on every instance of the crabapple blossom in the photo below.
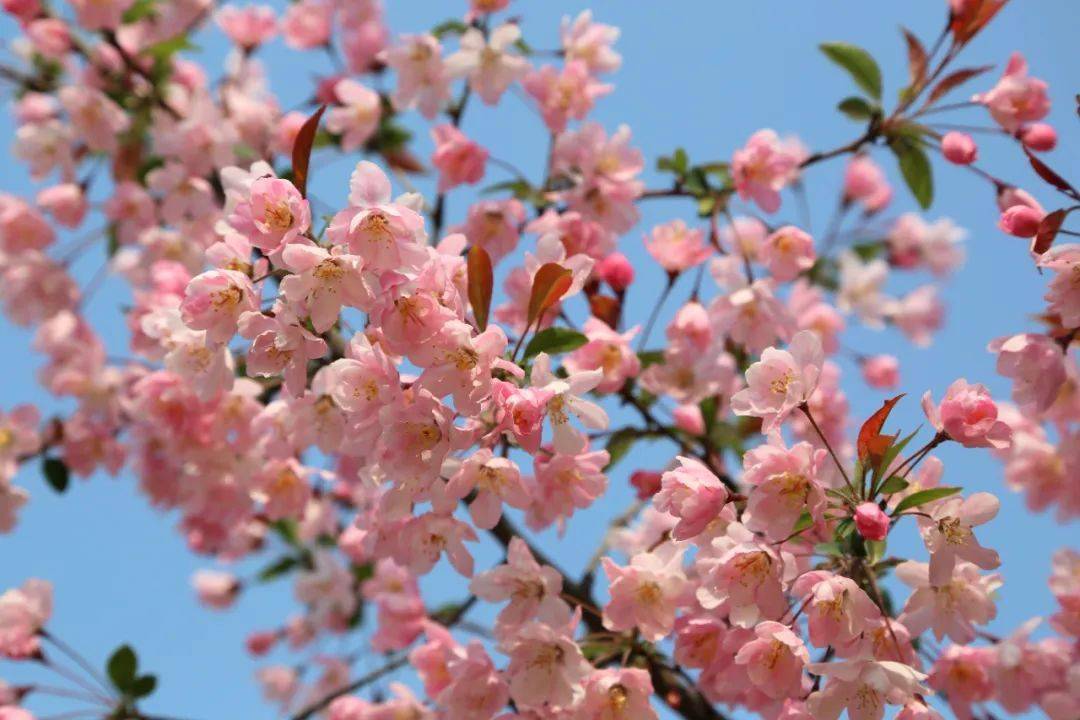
(781, 381)
(361, 387)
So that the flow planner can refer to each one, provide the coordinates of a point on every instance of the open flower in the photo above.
(948, 535)
(781, 381)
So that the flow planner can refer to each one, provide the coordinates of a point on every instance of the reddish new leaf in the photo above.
(871, 443)
(1046, 173)
(550, 283)
(301, 152)
(480, 282)
(917, 58)
(954, 80)
(1048, 230)
(605, 308)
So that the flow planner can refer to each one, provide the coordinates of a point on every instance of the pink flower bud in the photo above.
(689, 419)
(871, 522)
(1021, 221)
(959, 148)
(646, 482)
(260, 643)
(616, 271)
(881, 371)
(1040, 137)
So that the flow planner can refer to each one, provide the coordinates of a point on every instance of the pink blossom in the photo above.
(215, 300)
(865, 182)
(676, 247)
(23, 612)
(616, 693)
(694, 495)
(775, 660)
(608, 351)
(494, 226)
(12, 499)
(217, 590)
(959, 148)
(1017, 98)
(918, 314)
(566, 400)
(1039, 137)
(564, 95)
(1037, 368)
(476, 689)
(871, 521)
(426, 537)
(963, 674)
(247, 27)
(745, 576)
(100, 14)
(422, 79)
(324, 282)
(645, 593)
(272, 214)
(952, 608)
(279, 683)
(616, 271)
(863, 687)
(881, 371)
(590, 42)
(948, 535)
(1063, 295)
(280, 345)
(787, 253)
(784, 484)
(968, 415)
(838, 610)
(1021, 221)
(458, 159)
(564, 483)
(763, 167)
(65, 202)
(495, 480)
(488, 63)
(546, 665)
(308, 24)
(915, 243)
(96, 118)
(781, 381)
(358, 115)
(534, 590)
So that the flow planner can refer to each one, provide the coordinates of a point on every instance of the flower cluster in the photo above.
(340, 394)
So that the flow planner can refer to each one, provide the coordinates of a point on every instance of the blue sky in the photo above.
(700, 75)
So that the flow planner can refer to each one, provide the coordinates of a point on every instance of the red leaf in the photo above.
(605, 308)
(480, 282)
(871, 442)
(550, 283)
(1049, 175)
(301, 152)
(954, 80)
(1048, 230)
(917, 58)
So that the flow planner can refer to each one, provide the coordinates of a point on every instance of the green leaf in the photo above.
(167, 48)
(139, 10)
(650, 357)
(554, 340)
(143, 685)
(856, 108)
(860, 65)
(277, 568)
(121, 668)
(619, 444)
(875, 550)
(915, 168)
(804, 521)
(449, 27)
(677, 163)
(922, 497)
(828, 548)
(56, 474)
(892, 485)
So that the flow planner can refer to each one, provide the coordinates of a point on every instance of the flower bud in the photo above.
(616, 271)
(881, 371)
(647, 483)
(1021, 221)
(689, 419)
(871, 522)
(1039, 137)
(959, 148)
